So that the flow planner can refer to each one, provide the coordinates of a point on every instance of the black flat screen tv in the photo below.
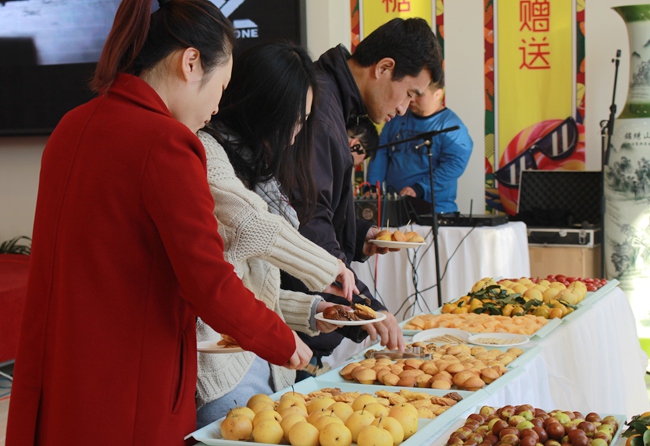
(49, 49)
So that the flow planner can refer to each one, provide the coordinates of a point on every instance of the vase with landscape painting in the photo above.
(626, 239)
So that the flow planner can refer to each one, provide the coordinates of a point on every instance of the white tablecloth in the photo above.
(466, 255)
(593, 363)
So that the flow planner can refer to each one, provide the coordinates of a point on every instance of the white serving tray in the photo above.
(211, 435)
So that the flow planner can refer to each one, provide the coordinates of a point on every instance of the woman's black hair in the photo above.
(139, 39)
(366, 132)
(265, 100)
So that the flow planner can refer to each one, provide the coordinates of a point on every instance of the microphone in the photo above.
(432, 133)
(426, 136)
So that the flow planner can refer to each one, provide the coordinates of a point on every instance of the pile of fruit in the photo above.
(525, 425)
(637, 432)
(329, 417)
(526, 324)
(518, 297)
(592, 284)
(457, 366)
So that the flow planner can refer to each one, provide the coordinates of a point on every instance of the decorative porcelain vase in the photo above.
(627, 176)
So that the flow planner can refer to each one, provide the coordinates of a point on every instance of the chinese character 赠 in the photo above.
(537, 12)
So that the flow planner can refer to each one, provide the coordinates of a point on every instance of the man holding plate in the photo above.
(389, 67)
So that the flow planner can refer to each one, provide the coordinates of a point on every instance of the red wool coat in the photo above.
(125, 255)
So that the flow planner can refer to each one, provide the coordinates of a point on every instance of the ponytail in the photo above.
(124, 42)
(139, 39)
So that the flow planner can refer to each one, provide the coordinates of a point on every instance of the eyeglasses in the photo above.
(559, 143)
(358, 148)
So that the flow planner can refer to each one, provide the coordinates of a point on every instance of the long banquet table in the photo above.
(590, 362)
(594, 361)
(466, 255)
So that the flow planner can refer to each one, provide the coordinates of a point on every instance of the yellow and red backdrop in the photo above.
(534, 92)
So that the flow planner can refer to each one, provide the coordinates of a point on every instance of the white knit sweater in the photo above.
(258, 244)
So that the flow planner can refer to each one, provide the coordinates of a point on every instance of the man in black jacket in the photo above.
(390, 66)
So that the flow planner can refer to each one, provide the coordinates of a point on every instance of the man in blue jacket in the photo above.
(405, 168)
(391, 66)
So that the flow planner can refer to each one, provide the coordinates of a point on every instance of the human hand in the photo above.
(347, 281)
(389, 331)
(408, 191)
(301, 356)
(325, 327)
(370, 249)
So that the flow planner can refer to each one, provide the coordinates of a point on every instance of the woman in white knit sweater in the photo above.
(261, 126)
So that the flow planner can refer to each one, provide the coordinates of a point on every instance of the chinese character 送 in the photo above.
(533, 55)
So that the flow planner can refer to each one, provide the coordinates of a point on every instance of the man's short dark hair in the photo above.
(410, 43)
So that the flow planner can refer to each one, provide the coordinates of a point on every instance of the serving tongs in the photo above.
(411, 352)
(360, 297)
(364, 298)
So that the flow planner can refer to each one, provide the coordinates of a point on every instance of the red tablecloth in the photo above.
(14, 269)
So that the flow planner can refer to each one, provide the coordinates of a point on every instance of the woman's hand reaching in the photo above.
(301, 356)
(345, 285)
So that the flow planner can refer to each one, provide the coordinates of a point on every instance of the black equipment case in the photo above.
(561, 208)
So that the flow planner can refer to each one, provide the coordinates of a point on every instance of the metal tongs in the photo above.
(363, 297)
(411, 352)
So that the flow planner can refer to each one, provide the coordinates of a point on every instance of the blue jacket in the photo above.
(402, 165)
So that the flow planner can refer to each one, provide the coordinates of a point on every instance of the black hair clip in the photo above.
(358, 148)
(162, 3)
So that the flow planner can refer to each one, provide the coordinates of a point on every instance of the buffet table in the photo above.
(589, 362)
(466, 255)
(594, 362)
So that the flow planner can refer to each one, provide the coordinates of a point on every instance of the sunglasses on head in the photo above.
(559, 143)
(358, 148)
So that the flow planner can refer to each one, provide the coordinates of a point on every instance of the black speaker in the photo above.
(394, 211)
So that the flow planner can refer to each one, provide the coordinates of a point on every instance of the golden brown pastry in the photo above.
(473, 383)
(384, 235)
(413, 237)
(488, 375)
(364, 312)
(227, 342)
(365, 376)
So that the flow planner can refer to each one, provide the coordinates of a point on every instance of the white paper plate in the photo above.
(391, 244)
(428, 335)
(380, 317)
(500, 339)
(212, 347)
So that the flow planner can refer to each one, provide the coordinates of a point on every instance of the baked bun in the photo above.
(384, 235)
(415, 238)
(364, 312)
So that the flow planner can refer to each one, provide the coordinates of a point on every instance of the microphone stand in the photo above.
(607, 130)
(428, 137)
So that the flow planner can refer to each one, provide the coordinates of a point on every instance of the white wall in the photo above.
(328, 24)
(19, 169)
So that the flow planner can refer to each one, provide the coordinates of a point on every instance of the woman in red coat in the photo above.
(126, 252)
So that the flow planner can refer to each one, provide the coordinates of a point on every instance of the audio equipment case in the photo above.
(561, 208)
